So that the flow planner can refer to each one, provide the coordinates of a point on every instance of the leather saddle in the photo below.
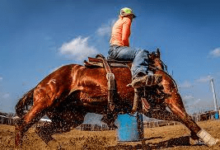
(97, 62)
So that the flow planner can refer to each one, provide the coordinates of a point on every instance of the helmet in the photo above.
(126, 11)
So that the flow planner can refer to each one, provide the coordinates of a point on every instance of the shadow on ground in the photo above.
(174, 142)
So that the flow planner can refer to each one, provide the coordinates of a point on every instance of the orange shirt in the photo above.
(121, 32)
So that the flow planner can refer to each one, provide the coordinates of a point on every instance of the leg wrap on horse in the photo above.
(207, 138)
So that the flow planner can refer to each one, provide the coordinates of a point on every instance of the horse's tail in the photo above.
(22, 105)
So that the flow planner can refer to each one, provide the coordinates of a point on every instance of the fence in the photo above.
(154, 124)
(204, 116)
(11, 120)
(93, 127)
(7, 120)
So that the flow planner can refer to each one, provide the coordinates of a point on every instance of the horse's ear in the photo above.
(158, 52)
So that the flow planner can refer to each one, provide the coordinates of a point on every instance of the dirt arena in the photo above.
(168, 138)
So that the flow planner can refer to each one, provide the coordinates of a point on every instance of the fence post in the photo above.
(215, 99)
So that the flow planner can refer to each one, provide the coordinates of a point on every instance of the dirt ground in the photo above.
(166, 138)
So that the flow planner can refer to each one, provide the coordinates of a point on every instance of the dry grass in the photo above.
(169, 138)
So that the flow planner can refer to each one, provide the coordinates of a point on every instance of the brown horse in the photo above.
(72, 91)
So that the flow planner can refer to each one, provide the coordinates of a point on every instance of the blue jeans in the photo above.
(138, 57)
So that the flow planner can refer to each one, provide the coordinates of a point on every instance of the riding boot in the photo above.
(146, 80)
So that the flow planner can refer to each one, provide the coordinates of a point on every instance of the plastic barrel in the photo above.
(130, 127)
(216, 115)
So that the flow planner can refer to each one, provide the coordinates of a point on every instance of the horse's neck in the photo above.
(168, 78)
(159, 71)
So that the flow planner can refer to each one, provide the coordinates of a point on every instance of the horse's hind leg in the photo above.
(36, 112)
(41, 100)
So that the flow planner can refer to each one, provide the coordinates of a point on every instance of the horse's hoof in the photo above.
(196, 142)
(213, 142)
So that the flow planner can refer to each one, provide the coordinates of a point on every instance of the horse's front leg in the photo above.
(176, 106)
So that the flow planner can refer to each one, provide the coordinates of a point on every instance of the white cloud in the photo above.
(188, 97)
(1, 78)
(5, 95)
(185, 84)
(215, 52)
(78, 49)
(196, 101)
(190, 101)
(204, 79)
(105, 30)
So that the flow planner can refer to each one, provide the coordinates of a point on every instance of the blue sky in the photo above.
(38, 36)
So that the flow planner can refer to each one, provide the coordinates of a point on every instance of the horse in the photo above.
(70, 92)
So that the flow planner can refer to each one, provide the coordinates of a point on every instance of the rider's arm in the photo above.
(126, 31)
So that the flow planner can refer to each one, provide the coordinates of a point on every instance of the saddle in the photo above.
(101, 61)
(98, 62)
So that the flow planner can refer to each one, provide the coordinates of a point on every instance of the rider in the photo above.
(120, 50)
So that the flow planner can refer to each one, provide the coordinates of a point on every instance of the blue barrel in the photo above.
(216, 115)
(130, 127)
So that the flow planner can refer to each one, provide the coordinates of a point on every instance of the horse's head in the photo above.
(155, 62)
